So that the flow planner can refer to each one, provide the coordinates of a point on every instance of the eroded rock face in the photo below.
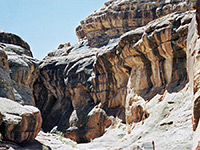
(193, 44)
(118, 17)
(120, 77)
(156, 55)
(20, 72)
(95, 124)
(6, 87)
(20, 123)
(10, 38)
(79, 83)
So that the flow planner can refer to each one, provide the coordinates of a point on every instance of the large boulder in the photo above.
(18, 71)
(93, 125)
(20, 123)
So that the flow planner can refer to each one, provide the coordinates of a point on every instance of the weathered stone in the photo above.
(122, 77)
(193, 44)
(6, 87)
(10, 38)
(118, 17)
(144, 62)
(22, 71)
(20, 123)
(92, 125)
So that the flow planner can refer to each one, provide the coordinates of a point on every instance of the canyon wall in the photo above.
(125, 80)
(117, 17)
(123, 60)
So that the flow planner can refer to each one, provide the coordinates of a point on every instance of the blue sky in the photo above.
(45, 24)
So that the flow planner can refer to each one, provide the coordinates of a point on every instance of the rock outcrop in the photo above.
(117, 17)
(120, 77)
(20, 123)
(126, 78)
(156, 55)
(18, 71)
(10, 38)
(6, 87)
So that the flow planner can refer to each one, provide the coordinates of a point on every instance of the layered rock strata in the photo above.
(10, 38)
(118, 17)
(18, 71)
(119, 78)
(20, 123)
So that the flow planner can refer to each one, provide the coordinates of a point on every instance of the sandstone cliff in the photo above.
(120, 16)
(123, 85)
(112, 72)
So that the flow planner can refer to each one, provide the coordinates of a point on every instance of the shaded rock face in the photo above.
(20, 123)
(118, 17)
(76, 83)
(120, 77)
(20, 69)
(94, 126)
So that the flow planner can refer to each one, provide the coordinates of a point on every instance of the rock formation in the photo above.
(20, 123)
(18, 71)
(125, 80)
(118, 17)
(9, 38)
(193, 44)
(119, 78)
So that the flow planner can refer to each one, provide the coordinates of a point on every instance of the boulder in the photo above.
(20, 123)
(93, 125)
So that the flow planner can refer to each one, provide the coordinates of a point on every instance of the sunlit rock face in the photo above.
(119, 16)
(156, 55)
(193, 44)
(84, 81)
